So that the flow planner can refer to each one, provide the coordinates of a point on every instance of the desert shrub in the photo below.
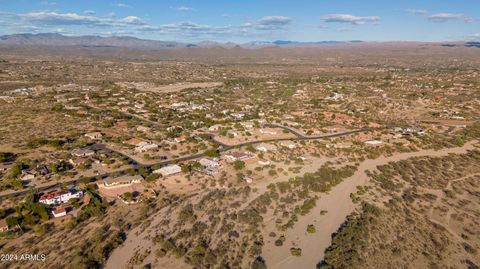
(296, 251)
(259, 263)
(187, 214)
(238, 165)
(348, 242)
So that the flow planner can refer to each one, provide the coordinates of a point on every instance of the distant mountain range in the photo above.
(52, 39)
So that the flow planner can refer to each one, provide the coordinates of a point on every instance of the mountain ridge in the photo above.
(56, 39)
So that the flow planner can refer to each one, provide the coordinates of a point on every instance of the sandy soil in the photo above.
(114, 192)
(338, 205)
(177, 184)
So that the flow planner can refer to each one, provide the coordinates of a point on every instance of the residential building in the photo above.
(78, 161)
(94, 135)
(180, 139)
(238, 116)
(4, 167)
(82, 152)
(237, 156)
(373, 143)
(211, 165)
(264, 147)
(121, 181)
(336, 96)
(268, 131)
(146, 147)
(207, 162)
(59, 212)
(42, 170)
(168, 170)
(288, 144)
(143, 129)
(135, 142)
(27, 175)
(59, 196)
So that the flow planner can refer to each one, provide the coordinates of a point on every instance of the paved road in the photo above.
(136, 165)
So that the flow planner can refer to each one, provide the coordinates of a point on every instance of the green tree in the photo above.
(16, 170)
(11, 221)
(212, 153)
(238, 165)
(259, 263)
(128, 196)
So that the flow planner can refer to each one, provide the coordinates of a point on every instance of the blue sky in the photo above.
(248, 20)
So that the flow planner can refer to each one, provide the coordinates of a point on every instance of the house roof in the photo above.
(53, 194)
(59, 211)
(122, 179)
(93, 134)
(169, 169)
(82, 151)
(133, 141)
(238, 154)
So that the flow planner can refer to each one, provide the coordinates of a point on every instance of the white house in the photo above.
(121, 181)
(269, 131)
(237, 156)
(180, 139)
(60, 212)
(214, 128)
(83, 152)
(59, 196)
(143, 129)
(373, 143)
(146, 147)
(336, 96)
(264, 147)
(207, 162)
(168, 170)
(289, 145)
(238, 116)
(27, 175)
(94, 135)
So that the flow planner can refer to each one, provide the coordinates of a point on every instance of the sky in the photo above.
(248, 20)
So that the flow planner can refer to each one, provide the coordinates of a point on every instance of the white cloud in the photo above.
(47, 3)
(347, 18)
(122, 5)
(133, 20)
(87, 22)
(272, 22)
(187, 29)
(474, 36)
(72, 19)
(416, 11)
(184, 8)
(445, 17)
(89, 12)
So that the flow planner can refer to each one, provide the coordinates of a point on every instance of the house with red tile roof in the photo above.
(59, 196)
(59, 212)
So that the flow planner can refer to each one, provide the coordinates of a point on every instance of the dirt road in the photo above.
(339, 205)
